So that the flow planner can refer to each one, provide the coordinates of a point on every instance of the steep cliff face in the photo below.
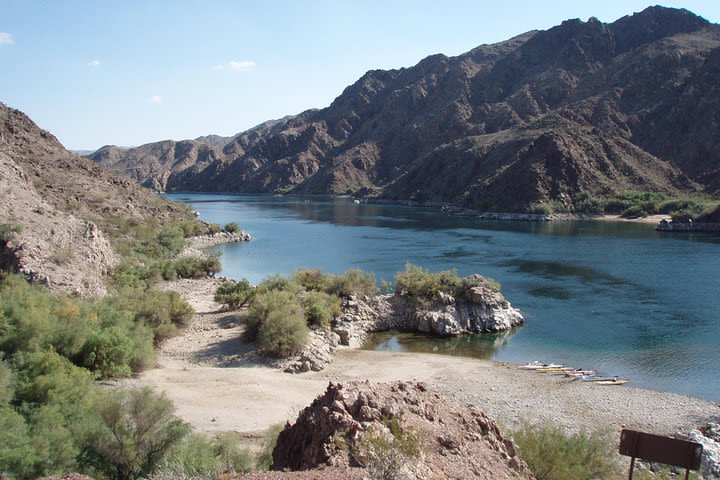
(542, 116)
(57, 209)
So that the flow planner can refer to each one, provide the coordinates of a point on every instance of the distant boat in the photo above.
(356, 202)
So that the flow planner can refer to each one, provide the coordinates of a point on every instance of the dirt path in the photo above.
(219, 384)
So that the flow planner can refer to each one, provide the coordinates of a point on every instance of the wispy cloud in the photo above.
(237, 65)
(6, 38)
(94, 63)
(156, 99)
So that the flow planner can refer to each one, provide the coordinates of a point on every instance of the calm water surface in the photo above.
(614, 296)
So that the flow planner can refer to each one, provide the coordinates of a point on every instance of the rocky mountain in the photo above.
(581, 107)
(59, 211)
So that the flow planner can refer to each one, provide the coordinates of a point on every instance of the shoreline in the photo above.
(218, 383)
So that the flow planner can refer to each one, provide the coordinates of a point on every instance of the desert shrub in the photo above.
(585, 202)
(234, 294)
(137, 428)
(232, 227)
(552, 454)
(471, 281)
(9, 230)
(284, 331)
(635, 211)
(17, 453)
(386, 450)
(261, 306)
(213, 228)
(280, 283)
(313, 279)
(269, 440)
(197, 455)
(353, 282)
(191, 267)
(544, 208)
(320, 307)
(420, 284)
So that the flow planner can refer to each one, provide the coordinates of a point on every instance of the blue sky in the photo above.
(131, 72)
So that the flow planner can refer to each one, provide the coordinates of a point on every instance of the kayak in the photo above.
(581, 373)
(594, 378)
(617, 381)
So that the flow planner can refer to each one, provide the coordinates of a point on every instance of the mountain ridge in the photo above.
(533, 120)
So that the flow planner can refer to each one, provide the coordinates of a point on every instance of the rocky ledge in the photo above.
(481, 308)
(210, 240)
(665, 226)
(338, 428)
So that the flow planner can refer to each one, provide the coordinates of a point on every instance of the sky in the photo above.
(130, 72)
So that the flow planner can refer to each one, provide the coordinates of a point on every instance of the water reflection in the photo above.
(476, 346)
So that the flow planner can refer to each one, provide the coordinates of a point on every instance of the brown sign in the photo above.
(654, 448)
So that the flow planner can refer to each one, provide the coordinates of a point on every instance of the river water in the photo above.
(615, 296)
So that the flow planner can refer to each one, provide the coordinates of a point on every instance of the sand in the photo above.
(653, 219)
(219, 384)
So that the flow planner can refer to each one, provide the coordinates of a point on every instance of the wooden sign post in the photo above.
(654, 448)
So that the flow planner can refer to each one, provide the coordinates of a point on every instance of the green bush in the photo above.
(213, 228)
(353, 282)
(418, 283)
(284, 331)
(386, 450)
(551, 454)
(197, 455)
(137, 428)
(9, 230)
(264, 458)
(279, 283)
(313, 279)
(234, 294)
(232, 227)
(320, 308)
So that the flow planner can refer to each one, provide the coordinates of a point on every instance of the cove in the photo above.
(615, 296)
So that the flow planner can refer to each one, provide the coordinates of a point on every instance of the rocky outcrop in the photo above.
(45, 244)
(709, 438)
(523, 125)
(58, 210)
(690, 226)
(453, 441)
(479, 309)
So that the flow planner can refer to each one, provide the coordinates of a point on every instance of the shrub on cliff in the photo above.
(313, 279)
(320, 307)
(232, 227)
(234, 294)
(552, 454)
(353, 282)
(386, 450)
(420, 284)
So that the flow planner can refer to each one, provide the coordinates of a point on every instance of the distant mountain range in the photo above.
(581, 107)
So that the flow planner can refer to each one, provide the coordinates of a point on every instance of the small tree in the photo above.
(232, 227)
(234, 294)
(137, 428)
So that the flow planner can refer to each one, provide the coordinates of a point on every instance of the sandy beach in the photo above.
(653, 219)
(219, 384)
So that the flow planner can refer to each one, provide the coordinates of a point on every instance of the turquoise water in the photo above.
(614, 296)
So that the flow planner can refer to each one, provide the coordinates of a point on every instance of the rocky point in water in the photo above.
(480, 308)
